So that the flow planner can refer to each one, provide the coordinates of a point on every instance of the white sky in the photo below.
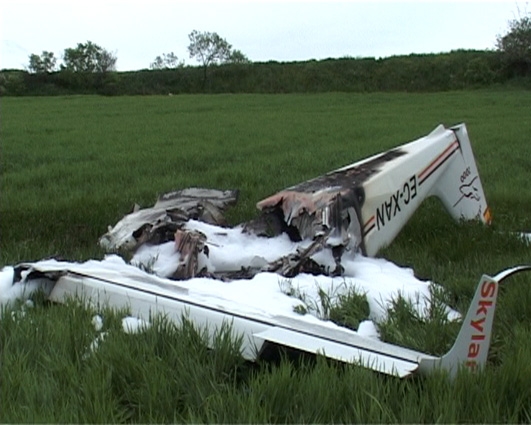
(138, 31)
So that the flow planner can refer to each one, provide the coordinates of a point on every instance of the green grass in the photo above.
(431, 331)
(71, 166)
(346, 308)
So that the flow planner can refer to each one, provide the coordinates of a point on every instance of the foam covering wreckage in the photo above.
(187, 262)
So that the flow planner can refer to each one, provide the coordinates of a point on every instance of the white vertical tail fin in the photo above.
(440, 164)
(473, 341)
(459, 186)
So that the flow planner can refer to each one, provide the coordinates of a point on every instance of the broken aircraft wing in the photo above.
(145, 295)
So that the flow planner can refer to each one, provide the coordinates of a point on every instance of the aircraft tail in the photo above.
(459, 186)
(473, 341)
(440, 164)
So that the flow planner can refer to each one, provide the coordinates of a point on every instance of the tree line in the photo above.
(207, 47)
(89, 68)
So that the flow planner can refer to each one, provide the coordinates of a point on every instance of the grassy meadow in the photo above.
(71, 166)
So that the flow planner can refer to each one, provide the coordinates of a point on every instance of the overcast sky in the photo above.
(138, 31)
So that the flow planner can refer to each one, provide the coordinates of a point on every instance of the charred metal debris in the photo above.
(325, 210)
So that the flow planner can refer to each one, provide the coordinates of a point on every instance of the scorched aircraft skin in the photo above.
(357, 208)
(364, 205)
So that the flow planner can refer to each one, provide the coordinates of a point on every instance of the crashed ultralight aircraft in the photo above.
(357, 208)
(360, 207)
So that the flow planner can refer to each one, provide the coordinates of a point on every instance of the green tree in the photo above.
(236, 56)
(46, 62)
(167, 61)
(89, 57)
(516, 45)
(208, 48)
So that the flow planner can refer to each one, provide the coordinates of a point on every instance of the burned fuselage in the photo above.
(328, 205)
(359, 208)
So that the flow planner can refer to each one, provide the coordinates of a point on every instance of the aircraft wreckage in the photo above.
(323, 223)
(357, 208)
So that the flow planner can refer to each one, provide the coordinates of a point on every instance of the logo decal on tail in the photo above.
(470, 191)
(477, 324)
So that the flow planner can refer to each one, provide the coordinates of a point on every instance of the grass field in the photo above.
(71, 166)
